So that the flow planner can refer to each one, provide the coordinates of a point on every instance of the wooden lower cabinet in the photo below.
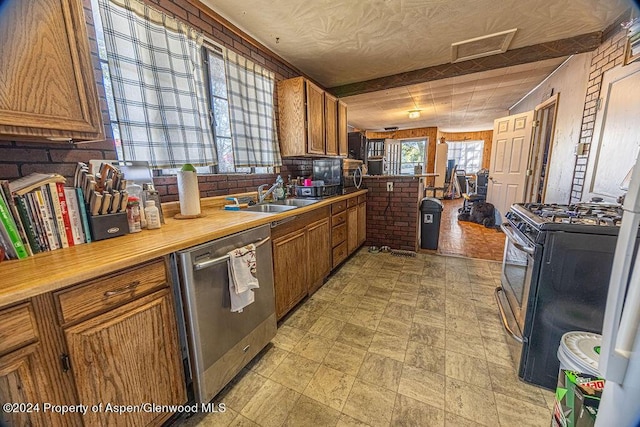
(128, 356)
(352, 229)
(290, 270)
(362, 223)
(319, 253)
(123, 350)
(18, 385)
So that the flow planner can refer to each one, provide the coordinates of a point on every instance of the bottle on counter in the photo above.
(136, 191)
(133, 214)
(152, 214)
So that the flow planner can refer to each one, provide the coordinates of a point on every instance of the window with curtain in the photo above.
(466, 154)
(174, 99)
(158, 85)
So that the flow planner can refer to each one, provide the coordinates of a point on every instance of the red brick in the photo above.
(173, 9)
(19, 155)
(9, 171)
(199, 23)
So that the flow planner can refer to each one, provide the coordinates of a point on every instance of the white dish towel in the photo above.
(242, 277)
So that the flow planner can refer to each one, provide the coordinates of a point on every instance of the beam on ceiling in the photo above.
(539, 52)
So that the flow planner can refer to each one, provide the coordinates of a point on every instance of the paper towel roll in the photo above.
(188, 193)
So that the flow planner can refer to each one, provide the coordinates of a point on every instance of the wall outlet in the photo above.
(389, 186)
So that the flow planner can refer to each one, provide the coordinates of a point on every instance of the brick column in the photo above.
(610, 54)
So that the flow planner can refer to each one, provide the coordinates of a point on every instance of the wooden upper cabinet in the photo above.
(315, 119)
(47, 87)
(309, 120)
(343, 148)
(331, 124)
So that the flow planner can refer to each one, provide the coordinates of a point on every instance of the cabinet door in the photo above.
(292, 117)
(18, 385)
(289, 270)
(343, 138)
(46, 78)
(362, 223)
(315, 119)
(129, 355)
(331, 124)
(319, 252)
(352, 229)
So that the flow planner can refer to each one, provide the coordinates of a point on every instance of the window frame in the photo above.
(464, 145)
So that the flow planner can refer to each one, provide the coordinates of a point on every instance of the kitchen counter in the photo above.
(50, 271)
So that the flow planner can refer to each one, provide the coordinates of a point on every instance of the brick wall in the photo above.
(19, 158)
(220, 185)
(610, 54)
(392, 217)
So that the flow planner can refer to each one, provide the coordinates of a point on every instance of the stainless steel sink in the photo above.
(268, 208)
(294, 202)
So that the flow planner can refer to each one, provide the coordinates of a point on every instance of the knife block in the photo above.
(108, 226)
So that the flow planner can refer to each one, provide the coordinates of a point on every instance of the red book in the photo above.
(65, 212)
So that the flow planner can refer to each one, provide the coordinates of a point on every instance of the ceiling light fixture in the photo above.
(414, 114)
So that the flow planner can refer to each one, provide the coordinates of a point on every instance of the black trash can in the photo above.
(430, 215)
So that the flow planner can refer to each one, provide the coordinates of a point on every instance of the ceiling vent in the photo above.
(482, 46)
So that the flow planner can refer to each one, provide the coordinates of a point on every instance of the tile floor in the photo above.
(389, 341)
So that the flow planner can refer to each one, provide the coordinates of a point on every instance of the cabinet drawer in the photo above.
(352, 202)
(362, 198)
(17, 327)
(338, 207)
(109, 291)
(338, 219)
(339, 253)
(338, 234)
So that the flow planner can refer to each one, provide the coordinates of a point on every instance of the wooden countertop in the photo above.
(50, 271)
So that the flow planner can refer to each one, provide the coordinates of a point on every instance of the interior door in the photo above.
(541, 149)
(509, 160)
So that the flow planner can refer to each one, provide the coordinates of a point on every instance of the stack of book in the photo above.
(38, 214)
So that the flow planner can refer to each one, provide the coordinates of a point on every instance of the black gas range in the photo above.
(533, 219)
(555, 277)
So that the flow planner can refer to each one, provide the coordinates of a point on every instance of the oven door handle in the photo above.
(503, 315)
(515, 241)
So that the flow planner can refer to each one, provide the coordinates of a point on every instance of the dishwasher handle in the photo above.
(224, 258)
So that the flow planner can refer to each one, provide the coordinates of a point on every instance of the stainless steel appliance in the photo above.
(555, 274)
(220, 343)
(351, 175)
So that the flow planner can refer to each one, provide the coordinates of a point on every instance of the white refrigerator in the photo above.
(620, 352)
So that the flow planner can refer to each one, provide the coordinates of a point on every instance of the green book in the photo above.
(9, 225)
(29, 228)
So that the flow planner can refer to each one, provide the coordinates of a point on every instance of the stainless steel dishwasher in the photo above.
(220, 343)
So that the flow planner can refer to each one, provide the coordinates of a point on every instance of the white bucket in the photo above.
(580, 352)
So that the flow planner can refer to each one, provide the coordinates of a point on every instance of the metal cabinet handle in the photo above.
(504, 316)
(131, 286)
(224, 258)
(514, 240)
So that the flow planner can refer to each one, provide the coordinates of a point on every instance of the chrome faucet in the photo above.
(261, 195)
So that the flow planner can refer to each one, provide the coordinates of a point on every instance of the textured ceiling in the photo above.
(337, 42)
(457, 104)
